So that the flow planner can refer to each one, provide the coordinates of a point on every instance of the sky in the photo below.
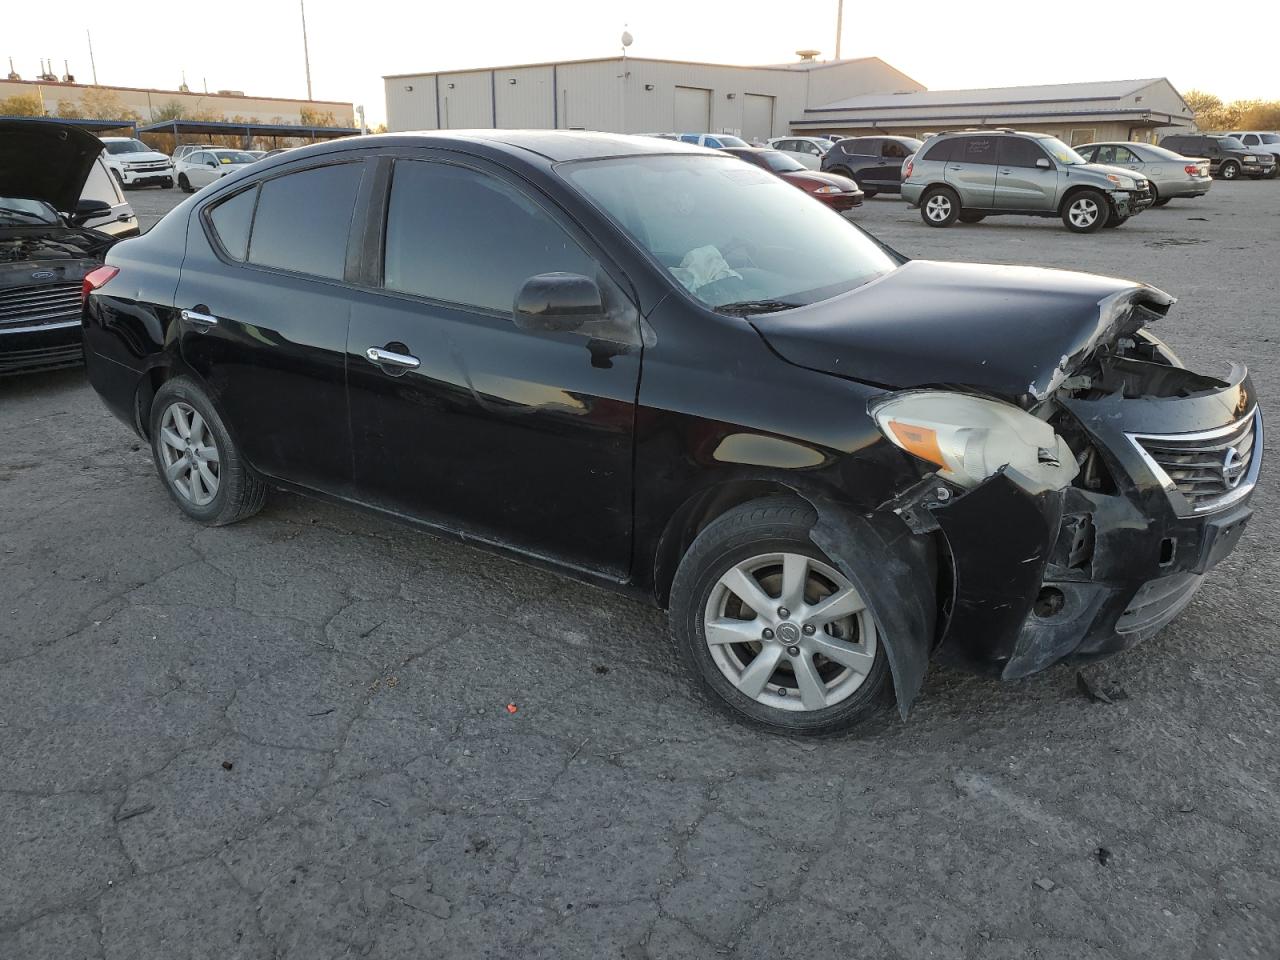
(256, 45)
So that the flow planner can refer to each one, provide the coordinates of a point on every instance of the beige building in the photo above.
(1074, 112)
(148, 105)
(635, 95)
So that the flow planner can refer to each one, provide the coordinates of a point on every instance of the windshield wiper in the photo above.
(745, 307)
(24, 213)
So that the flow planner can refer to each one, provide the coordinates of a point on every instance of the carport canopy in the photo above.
(93, 126)
(225, 128)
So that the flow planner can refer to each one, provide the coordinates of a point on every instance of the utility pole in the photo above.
(839, 25)
(92, 66)
(306, 53)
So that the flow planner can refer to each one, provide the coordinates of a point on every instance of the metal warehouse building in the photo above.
(634, 96)
(860, 96)
(1073, 112)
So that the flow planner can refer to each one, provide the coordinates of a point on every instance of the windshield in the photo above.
(233, 156)
(21, 210)
(1060, 151)
(730, 141)
(127, 146)
(736, 237)
(1230, 143)
(779, 162)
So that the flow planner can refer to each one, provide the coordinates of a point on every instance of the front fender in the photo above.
(896, 571)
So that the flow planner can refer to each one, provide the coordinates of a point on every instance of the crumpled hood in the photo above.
(1016, 332)
(46, 160)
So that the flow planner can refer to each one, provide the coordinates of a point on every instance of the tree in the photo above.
(21, 106)
(1210, 112)
(99, 103)
(172, 110)
(313, 118)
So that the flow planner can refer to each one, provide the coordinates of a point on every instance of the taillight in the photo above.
(1192, 168)
(95, 279)
(911, 164)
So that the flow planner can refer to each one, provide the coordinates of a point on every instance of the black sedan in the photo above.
(656, 368)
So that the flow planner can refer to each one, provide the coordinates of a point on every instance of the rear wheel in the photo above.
(1229, 170)
(197, 460)
(939, 207)
(1085, 212)
(772, 630)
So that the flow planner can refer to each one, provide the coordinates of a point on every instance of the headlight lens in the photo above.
(1250, 158)
(970, 438)
(830, 188)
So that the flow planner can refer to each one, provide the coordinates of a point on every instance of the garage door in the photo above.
(757, 117)
(693, 110)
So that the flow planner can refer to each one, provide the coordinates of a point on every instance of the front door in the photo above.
(516, 437)
(1020, 183)
(264, 319)
(972, 171)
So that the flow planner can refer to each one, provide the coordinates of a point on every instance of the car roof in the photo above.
(553, 145)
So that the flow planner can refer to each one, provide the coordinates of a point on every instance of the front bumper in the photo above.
(1078, 574)
(1130, 202)
(146, 177)
(841, 201)
(48, 347)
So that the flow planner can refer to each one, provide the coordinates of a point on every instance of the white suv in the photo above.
(1264, 141)
(134, 164)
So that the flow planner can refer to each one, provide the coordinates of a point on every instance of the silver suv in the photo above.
(972, 175)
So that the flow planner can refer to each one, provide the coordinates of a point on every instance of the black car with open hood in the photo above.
(653, 367)
(44, 252)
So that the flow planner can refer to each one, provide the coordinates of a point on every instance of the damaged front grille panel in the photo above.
(1211, 469)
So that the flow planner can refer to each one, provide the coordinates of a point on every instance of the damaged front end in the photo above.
(1099, 537)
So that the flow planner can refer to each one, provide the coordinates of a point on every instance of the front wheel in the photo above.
(168, 183)
(939, 207)
(1085, 212)
(770, 627)
(185, 184)
(197, 460)
(1229, 170)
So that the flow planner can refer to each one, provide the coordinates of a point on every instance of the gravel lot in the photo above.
(290, 738)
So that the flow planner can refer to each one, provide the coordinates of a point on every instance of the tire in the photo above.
(1113, 222)
(1085, 211)
(939, 207)
(972, 217)
(168, 183)
(841, 171)
(216, 486)
(869, 193)
(1230, 170)
(1161, 201)
(185, 184)
(749, 546)
(1155, 194)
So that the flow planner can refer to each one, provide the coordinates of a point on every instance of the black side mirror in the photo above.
(557, 303)
(87, 210)
(212, 163)
(1044, 164)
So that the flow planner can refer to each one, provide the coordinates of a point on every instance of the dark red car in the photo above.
(837, 192)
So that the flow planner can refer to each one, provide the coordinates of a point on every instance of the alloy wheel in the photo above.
(189, 453)
(938, 207)
(790, 632)
(1084, 212)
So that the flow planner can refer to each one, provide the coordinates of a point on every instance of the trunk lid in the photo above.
(1016, 332)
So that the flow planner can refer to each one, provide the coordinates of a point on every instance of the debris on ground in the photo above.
(135, 812)
(1045, 884)
(1186, 808)
(1095, 692)
(227, 764)
(512, 708)
(1103, 855)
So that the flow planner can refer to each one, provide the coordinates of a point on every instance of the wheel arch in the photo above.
(1075, 190)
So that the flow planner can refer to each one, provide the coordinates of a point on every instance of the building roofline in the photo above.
(933, 104)
(994, 116)
(59, 85)
(798, 67)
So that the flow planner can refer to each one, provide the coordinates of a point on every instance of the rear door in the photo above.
(517, 437)
(972, 171)
(265, 311)
(1020, 184)
(889, 168)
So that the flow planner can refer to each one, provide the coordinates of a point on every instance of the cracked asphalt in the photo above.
(290, 738)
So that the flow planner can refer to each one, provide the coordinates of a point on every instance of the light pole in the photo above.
(626, 42)
(839, 25)
(306, 53)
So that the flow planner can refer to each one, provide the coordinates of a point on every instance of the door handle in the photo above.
(201, 319)
(390, 358)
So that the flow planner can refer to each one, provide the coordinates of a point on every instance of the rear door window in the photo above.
(938, 150)
(231, 220)
(892, 148)
(304, 219)
(1250, 139)
(974, 150)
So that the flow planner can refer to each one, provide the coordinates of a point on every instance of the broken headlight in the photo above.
(970, 438)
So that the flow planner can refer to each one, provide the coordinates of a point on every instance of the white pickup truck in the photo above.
(134, 164)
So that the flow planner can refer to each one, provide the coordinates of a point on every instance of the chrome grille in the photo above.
(37, 306)
(1210, 469)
